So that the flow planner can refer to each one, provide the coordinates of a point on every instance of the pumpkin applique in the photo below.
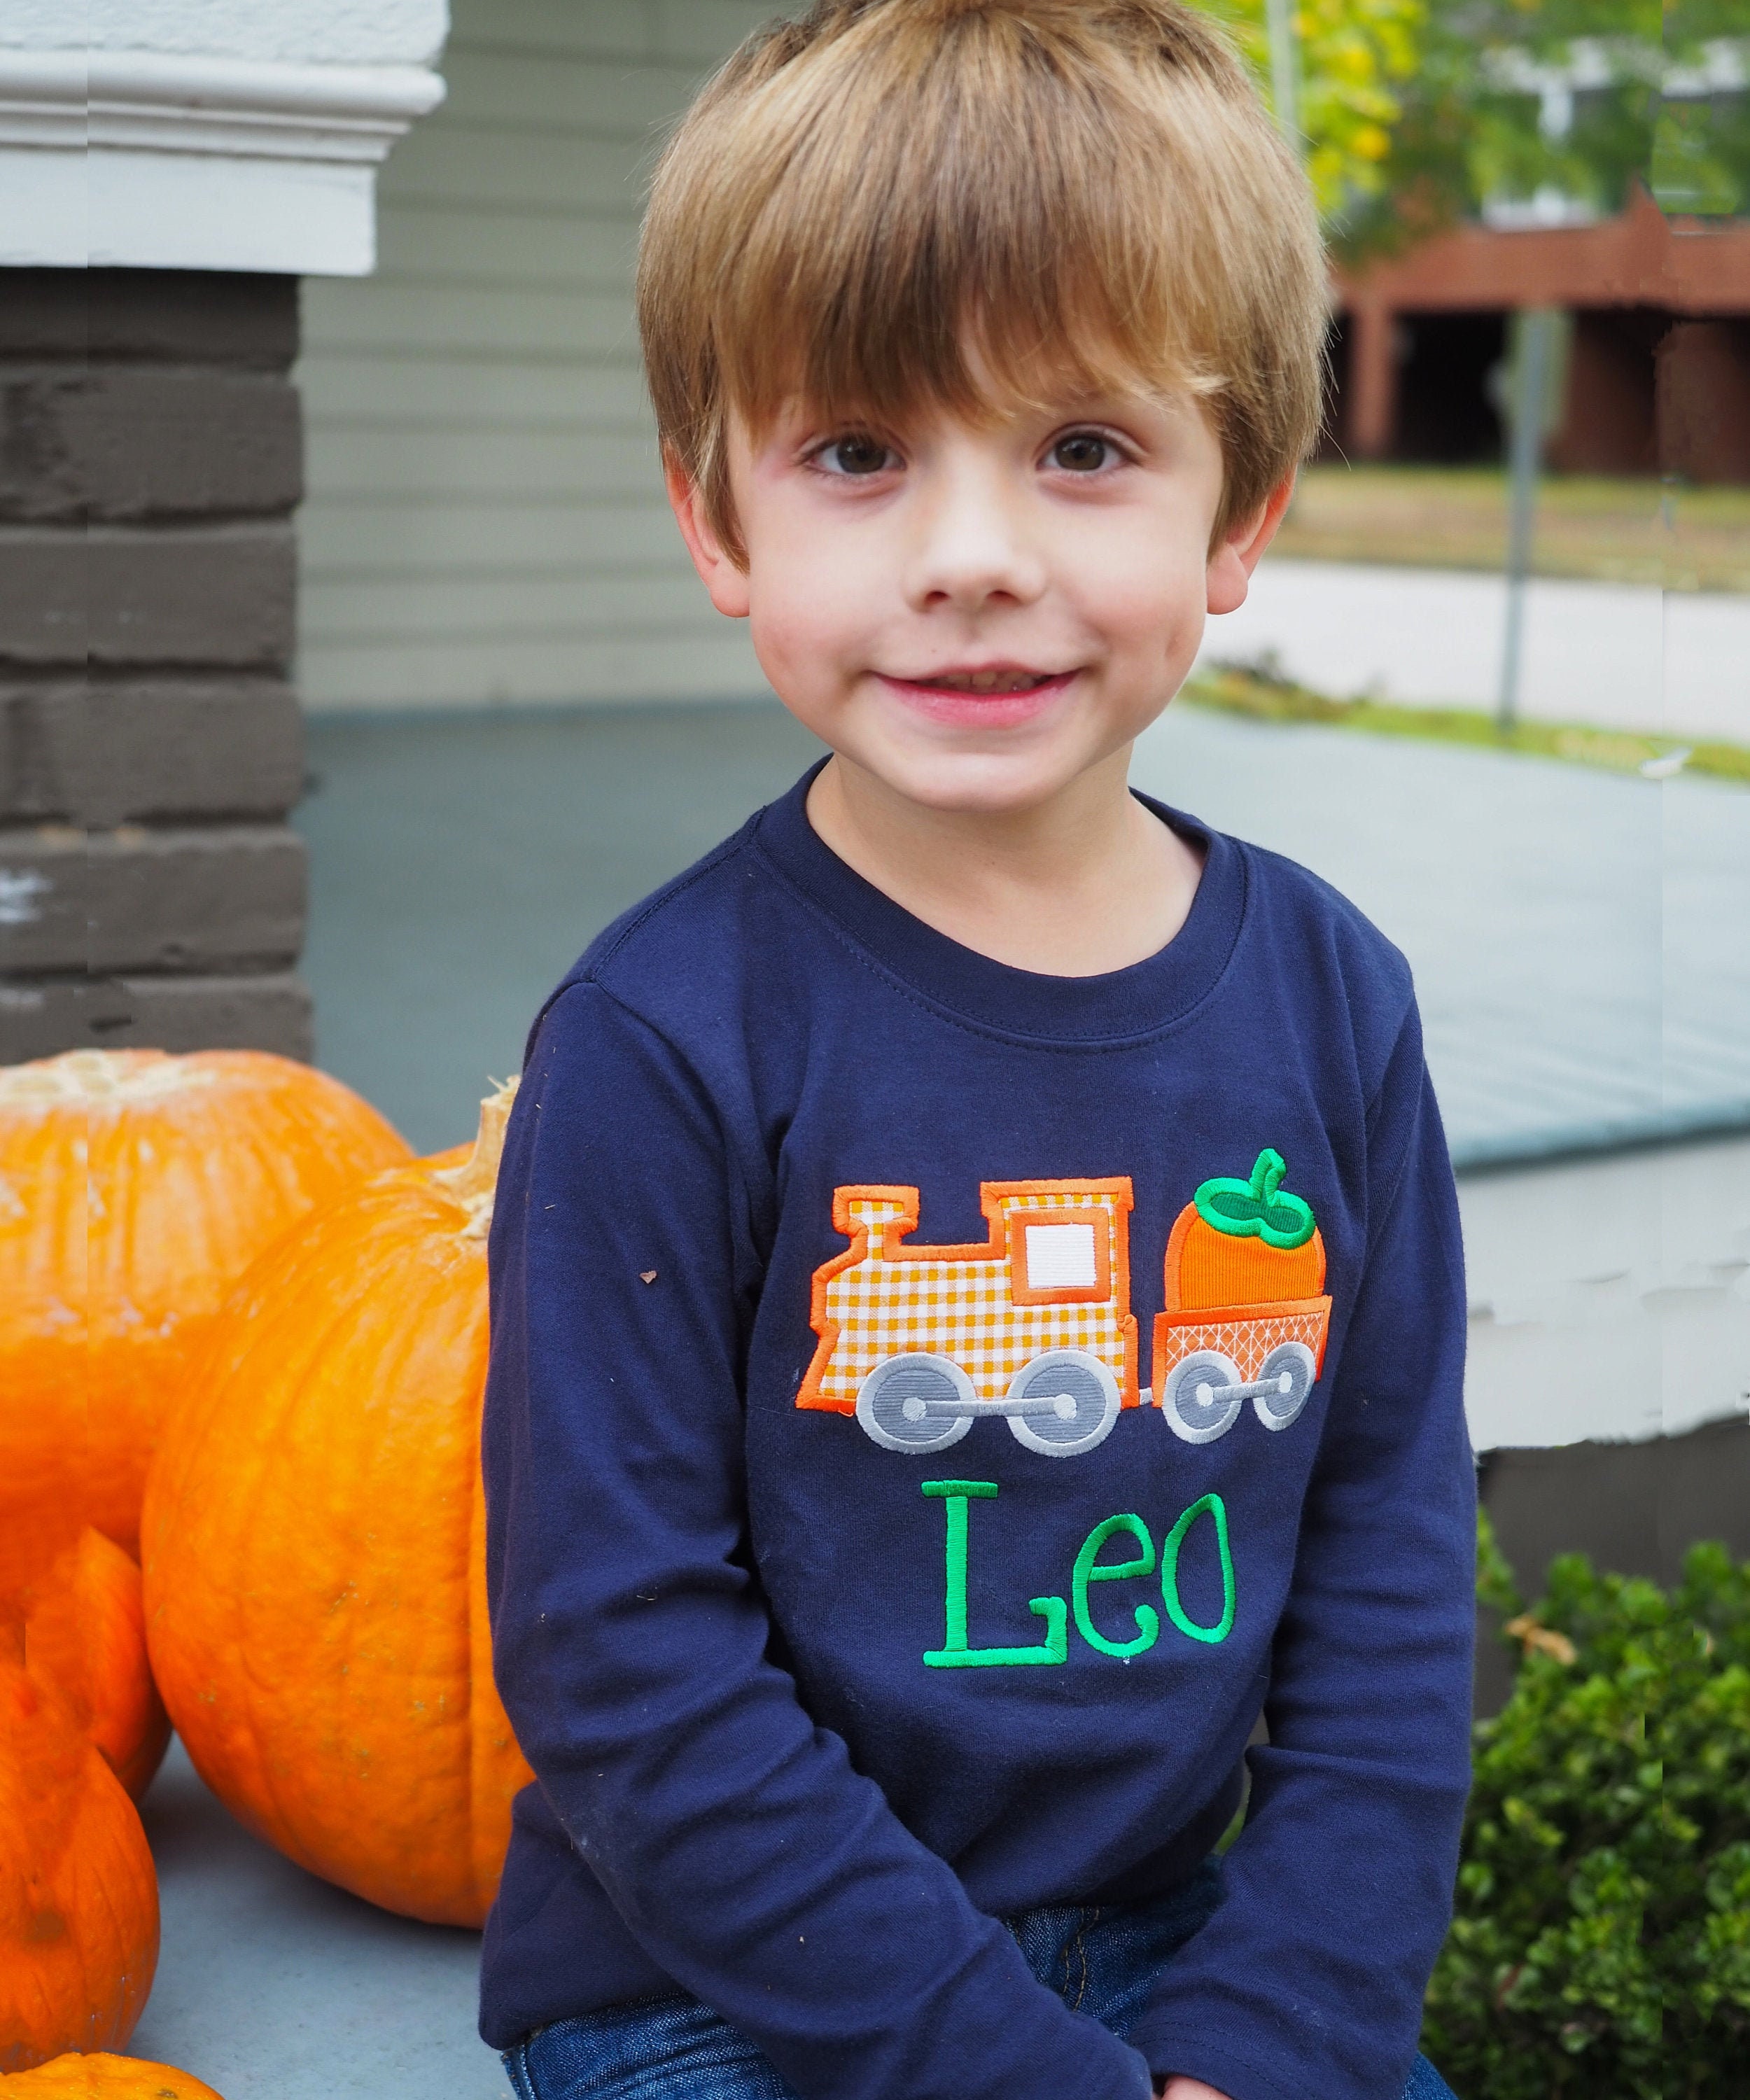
(1246, 1315)
(315, 1548)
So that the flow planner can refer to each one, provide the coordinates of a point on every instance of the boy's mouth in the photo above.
(996, 679)
(982, 697)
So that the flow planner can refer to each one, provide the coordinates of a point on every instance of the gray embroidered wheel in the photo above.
(916, 1403)
(1063, 1403)
(1291, 1368)
(1195, 1398)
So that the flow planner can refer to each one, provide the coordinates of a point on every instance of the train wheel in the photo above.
(1193, 1400)
(903, 1402)
(1291, 1366)
(1073, 1399)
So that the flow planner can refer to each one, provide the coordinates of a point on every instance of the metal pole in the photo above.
(1284, 71)
(1527, 389)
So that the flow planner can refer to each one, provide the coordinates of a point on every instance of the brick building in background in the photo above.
(1657, 378)
(163, 188)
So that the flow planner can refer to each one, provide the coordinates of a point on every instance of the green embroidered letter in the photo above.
(1260, 1208)
(1175, 1611)
(1087, 1570)
(954, 1654)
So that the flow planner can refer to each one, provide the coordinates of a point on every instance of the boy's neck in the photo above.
(1091, 881)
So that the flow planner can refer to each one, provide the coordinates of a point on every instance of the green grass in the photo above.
(1664, 533)
(1267, 699)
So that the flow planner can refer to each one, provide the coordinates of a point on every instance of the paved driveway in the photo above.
(1622, 655)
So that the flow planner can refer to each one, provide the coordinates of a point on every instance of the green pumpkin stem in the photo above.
(1258, 1207)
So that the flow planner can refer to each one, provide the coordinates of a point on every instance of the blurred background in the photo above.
(353, 675)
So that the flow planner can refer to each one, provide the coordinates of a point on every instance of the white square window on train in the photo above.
(1060, 1257)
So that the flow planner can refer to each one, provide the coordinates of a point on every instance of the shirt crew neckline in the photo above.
(1141, 1000)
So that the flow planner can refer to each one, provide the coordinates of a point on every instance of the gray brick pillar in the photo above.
(150, 890)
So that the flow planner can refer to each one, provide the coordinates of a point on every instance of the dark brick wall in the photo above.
(151, 458)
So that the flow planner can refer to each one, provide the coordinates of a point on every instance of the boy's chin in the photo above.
(936, 776)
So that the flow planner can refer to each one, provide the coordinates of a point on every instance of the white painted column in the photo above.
(207, 135)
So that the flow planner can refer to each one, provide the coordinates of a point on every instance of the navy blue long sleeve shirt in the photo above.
(934, 1408)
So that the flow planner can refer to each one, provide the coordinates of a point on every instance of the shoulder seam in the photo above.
(666, 896)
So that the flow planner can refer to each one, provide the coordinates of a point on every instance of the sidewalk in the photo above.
(1621, 655)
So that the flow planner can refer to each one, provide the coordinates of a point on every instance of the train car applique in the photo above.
(1246, 1315)
(1032, 1327)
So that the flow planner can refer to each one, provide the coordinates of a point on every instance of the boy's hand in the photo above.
(1189, 2089)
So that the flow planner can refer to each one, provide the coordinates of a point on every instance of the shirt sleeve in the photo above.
(1309, 1977)
(742, 1850)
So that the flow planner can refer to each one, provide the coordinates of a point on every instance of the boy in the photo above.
(977, 1308)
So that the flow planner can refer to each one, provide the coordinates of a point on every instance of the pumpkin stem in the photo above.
(473, 1183)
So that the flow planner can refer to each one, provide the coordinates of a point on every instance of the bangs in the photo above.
(959, 207)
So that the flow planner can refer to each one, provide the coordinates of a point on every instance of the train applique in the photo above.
(1034, 1326)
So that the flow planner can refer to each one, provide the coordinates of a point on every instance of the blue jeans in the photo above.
(1103, 1961)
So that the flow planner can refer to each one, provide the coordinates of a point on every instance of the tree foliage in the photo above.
(1601, 1947)
(1355, 58)
(1415, 113)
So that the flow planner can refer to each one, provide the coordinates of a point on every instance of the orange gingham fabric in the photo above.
(960, 1309)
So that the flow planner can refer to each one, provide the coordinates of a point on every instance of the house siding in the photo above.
(485, 521)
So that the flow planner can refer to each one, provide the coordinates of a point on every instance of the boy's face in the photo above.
(979, 616)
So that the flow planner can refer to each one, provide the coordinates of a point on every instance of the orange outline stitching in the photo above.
(990, 1197)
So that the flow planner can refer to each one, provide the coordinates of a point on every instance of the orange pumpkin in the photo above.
(1208, 1268)
(1244, 1242)
(135, 1189)
(315, 1546)
(78, 1898)
(85, 1636)
(104, 2078)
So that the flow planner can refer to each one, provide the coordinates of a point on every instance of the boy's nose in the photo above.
(970, 548)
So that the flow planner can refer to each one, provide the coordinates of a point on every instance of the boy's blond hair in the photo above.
(890, 204)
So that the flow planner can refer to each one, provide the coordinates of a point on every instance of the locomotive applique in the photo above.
(1033, 1325)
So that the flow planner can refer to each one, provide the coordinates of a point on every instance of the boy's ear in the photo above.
(726, 582)
(1242, 549)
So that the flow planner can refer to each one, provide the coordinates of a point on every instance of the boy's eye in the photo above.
(854, 456)
(1082, 452)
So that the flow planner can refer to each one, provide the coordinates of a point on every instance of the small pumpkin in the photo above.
(135, 1189)
(78, 1897)
(314, 1538)
(1249, 1242)
(85, 1636)
(103, 2077)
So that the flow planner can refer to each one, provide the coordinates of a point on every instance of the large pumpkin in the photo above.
(135, 1189)
(78, 1898)
(315, 1547)
(84, 1635)
(103, 2077)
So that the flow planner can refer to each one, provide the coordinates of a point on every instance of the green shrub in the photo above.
(1601, 1945)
